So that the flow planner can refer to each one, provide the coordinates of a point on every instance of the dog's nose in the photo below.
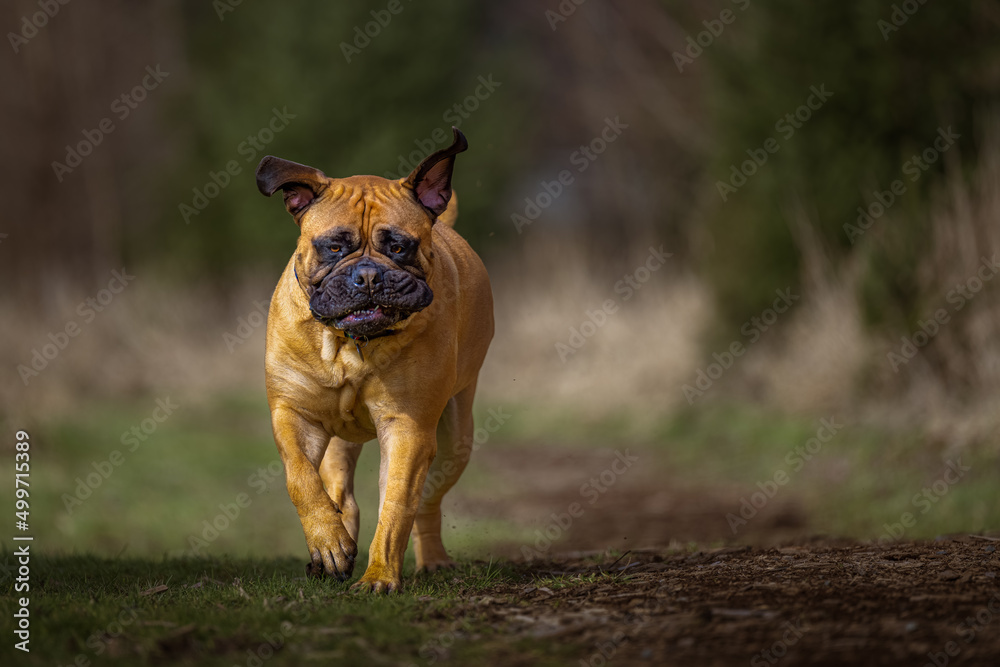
(366, 275)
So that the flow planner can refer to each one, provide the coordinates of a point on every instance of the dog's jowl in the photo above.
(377, 329)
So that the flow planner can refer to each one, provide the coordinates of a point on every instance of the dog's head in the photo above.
(364, 256)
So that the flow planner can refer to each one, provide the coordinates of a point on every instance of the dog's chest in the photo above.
(344, 411)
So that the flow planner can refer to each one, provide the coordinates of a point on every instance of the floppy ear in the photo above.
(431, 180)
(300, 184)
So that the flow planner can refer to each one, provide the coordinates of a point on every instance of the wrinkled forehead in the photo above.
(366, 202)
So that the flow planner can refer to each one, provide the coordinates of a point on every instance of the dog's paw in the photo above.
(376, 581)
(332, 549)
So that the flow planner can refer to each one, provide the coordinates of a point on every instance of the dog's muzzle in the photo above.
(368, 298)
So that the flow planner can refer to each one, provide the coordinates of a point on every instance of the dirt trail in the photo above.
(786, 601)
(814, 603)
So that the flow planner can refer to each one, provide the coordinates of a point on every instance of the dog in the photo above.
(377, 329)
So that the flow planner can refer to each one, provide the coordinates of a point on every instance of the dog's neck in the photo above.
(362, 341)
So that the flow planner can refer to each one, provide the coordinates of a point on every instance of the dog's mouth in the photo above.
(371, 319)
(338, 301)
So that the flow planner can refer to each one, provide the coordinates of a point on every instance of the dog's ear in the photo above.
(431, 180)
(300, 184)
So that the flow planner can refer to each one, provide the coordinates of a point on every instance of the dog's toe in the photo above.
(335, 563)
(377, 582)
(377, 587)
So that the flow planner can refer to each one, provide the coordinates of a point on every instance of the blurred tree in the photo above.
(351, 88)
(70, 143)
(611, 60)
(895, 79)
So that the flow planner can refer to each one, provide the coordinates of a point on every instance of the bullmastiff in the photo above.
(377, 330)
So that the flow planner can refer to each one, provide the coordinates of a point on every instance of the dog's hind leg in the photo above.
(337, 471)
(455, 441)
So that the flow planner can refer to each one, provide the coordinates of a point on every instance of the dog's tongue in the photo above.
(363, 315)
(367, 321)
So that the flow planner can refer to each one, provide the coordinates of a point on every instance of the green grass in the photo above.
(208, 476)
(222, 611)
(864, 477)
(163, 491)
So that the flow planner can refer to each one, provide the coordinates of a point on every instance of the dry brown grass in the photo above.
(825, 358)
(155, 340)
(149, 340)
(638, 359)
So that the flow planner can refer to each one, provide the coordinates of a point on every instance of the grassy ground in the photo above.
(850, 478)
(208, 480)
(199, 506)
(221, 611)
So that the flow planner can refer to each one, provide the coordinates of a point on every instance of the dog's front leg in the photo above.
(302, 445)
(406, 451)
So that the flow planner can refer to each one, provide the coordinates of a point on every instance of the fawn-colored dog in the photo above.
(377, 329)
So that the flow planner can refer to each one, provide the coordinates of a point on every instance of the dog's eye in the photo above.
(335, 248)
(396, 249)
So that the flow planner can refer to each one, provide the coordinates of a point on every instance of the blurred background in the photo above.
(709, 226)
